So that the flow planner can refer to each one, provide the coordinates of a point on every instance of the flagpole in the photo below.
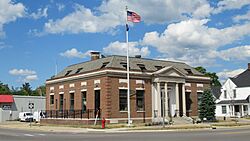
(128, 85)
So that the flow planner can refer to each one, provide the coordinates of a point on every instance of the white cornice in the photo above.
(198, 77)
(92, 74)
(110, 71)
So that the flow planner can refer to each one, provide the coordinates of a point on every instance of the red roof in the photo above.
(6, 99)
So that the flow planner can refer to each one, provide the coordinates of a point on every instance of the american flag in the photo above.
(133, 17)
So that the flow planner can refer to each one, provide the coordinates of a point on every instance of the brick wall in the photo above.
(109, 103)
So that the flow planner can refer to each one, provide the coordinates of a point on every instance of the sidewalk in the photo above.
(78, 129)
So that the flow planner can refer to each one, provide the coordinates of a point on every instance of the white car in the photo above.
(26, 116)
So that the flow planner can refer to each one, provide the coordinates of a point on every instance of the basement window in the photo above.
(68, 72)
(78, 70)
(189, 71)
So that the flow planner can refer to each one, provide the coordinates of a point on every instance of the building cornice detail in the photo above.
(101, 72)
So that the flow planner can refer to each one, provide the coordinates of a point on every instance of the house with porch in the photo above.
(99, 87)
(234, 99)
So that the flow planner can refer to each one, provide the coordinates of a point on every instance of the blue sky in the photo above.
(36, 35)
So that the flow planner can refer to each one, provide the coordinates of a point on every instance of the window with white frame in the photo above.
(140, 100)
(225, 93)
(123, 99)
(224, 109)
(234, 91)
(51, 99)
(72, 101)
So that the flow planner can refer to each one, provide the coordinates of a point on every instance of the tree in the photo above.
(40, 91)
(201, 69)
(207, 106)
(214, 78)
(26, 89)
(4, 88)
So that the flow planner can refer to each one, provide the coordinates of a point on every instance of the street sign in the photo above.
(31, 105)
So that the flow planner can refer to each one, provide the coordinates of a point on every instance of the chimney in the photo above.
(94, 55)
(248, 66)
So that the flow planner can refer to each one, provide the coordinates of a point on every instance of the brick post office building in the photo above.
(101, 84)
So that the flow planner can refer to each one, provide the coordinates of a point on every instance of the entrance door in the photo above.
(237, 110)
(97, 102)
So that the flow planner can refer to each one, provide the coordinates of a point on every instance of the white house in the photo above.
(235, 96)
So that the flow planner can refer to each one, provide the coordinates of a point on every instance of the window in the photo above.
(123, 99)
(225, 93)
(104, 64)
(234, 91)
(189, 71)
(84, 101)
(158, 67)
(199, 97)
(142, 67)
(245, 108)
(78, 70)
(140, 100)
(224, 109)
(124, 64)
(68, 72)
(72, 101)
(61, 102)
(51, 99)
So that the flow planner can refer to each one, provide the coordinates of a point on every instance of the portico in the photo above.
(168, 94)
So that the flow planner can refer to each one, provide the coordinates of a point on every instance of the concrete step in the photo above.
(182, 120)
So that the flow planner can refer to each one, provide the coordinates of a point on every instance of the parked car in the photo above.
(26, 116)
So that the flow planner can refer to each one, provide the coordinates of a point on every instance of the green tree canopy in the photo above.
(214, 78)
(207, 106)
(26, 89)
(40, 91)
(4, 88)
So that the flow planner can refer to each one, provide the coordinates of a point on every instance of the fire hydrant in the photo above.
(103, 122)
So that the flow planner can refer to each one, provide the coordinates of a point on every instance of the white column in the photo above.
(242, 111)
(153, 98)
(159, 99)
(183, 100)
(166, 99)
(177, 110)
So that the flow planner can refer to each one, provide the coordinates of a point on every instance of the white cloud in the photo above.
(193, 41)
(21, 72)
(24, 75)
(239, 53)
(202, 11)
(30, 78)
(230, 4)
(40, 13)
(9, 11)
(60, 7)
(3, 45)
(83, 20)
(74, 53)
(225, 74)
(118, 48)
(242, 17)
(111, 14)
(167, 10)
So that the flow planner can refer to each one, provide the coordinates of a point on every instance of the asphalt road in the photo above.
(239, 134)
